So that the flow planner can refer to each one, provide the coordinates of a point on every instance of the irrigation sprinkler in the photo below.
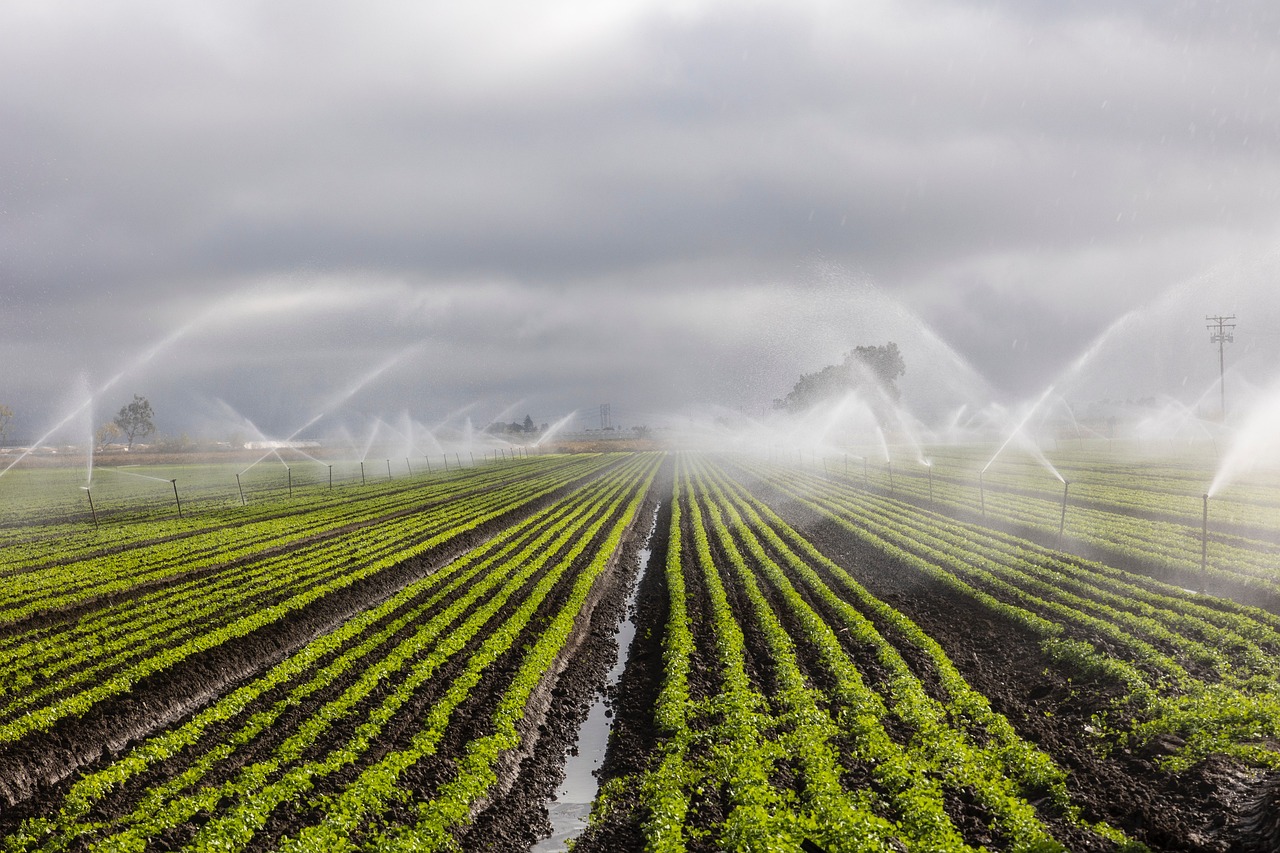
(428, 458)
(1062, 525)
(982, 496)
(176, 499)
(445, 457)
(930, 485)
(362, 472)
(92, 511)
(388, 469)
(456, 459)
(889, 465)
(408, 466)
(331, 478)
(1204, 542)
(289, 471)
(473, 458)
(240, 489)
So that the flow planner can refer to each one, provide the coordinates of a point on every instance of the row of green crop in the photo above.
(759, 762)
(245, 577)
(1159, 530)
(117, 571)
(1195, 666)
(40, 501)
(105, 659)
(1221, 635)
(272, 745)
(257, 525)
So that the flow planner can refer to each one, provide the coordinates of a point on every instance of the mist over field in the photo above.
(310, 211)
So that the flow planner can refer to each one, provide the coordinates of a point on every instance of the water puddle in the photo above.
(571, 804)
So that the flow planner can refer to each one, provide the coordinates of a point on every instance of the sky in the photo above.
(274, 214)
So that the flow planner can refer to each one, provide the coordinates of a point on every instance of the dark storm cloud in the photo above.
(541, 177)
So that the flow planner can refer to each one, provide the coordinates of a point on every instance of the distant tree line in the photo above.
(862, 367)
(525, 427)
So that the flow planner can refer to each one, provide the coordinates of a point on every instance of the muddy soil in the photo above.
(31, 769)
(1214, 807)
(1196, 810)
(519, 818)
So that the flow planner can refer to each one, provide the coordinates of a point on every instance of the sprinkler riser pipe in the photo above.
(1062, 525)
(362, 482)
(240, 489)
(176, 499)
(1204, 542)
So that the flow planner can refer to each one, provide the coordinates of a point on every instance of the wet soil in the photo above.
(31, 769)
(518, 816)
(1199, 809)
(1213, 807)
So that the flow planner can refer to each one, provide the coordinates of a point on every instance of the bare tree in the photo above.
(106, 434)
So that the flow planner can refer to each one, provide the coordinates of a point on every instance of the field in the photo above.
(831, 653)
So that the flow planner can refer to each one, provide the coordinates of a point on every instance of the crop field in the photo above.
(829, 655)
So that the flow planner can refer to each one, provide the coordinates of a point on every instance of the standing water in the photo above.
(571, 804)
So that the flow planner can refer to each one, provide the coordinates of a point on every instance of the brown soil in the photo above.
(31, 769)
(1214, 807)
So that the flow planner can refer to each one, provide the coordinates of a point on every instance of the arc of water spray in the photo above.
(143, 358)
(555, 427)
(1018, 430)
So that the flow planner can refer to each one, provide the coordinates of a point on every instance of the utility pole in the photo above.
(1221, 337)
(606, 417)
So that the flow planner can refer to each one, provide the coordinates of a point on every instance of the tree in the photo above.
(106, 434)
(528, 424)
(876, 366)
(6, 415)
(134, 420)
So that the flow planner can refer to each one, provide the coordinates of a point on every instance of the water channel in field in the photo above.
(571, 804)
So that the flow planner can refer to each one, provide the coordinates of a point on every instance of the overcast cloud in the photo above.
(668, 206)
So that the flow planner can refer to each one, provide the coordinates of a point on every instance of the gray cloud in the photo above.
(632, 202)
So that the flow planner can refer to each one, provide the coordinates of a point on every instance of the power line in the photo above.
(1222, 337)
